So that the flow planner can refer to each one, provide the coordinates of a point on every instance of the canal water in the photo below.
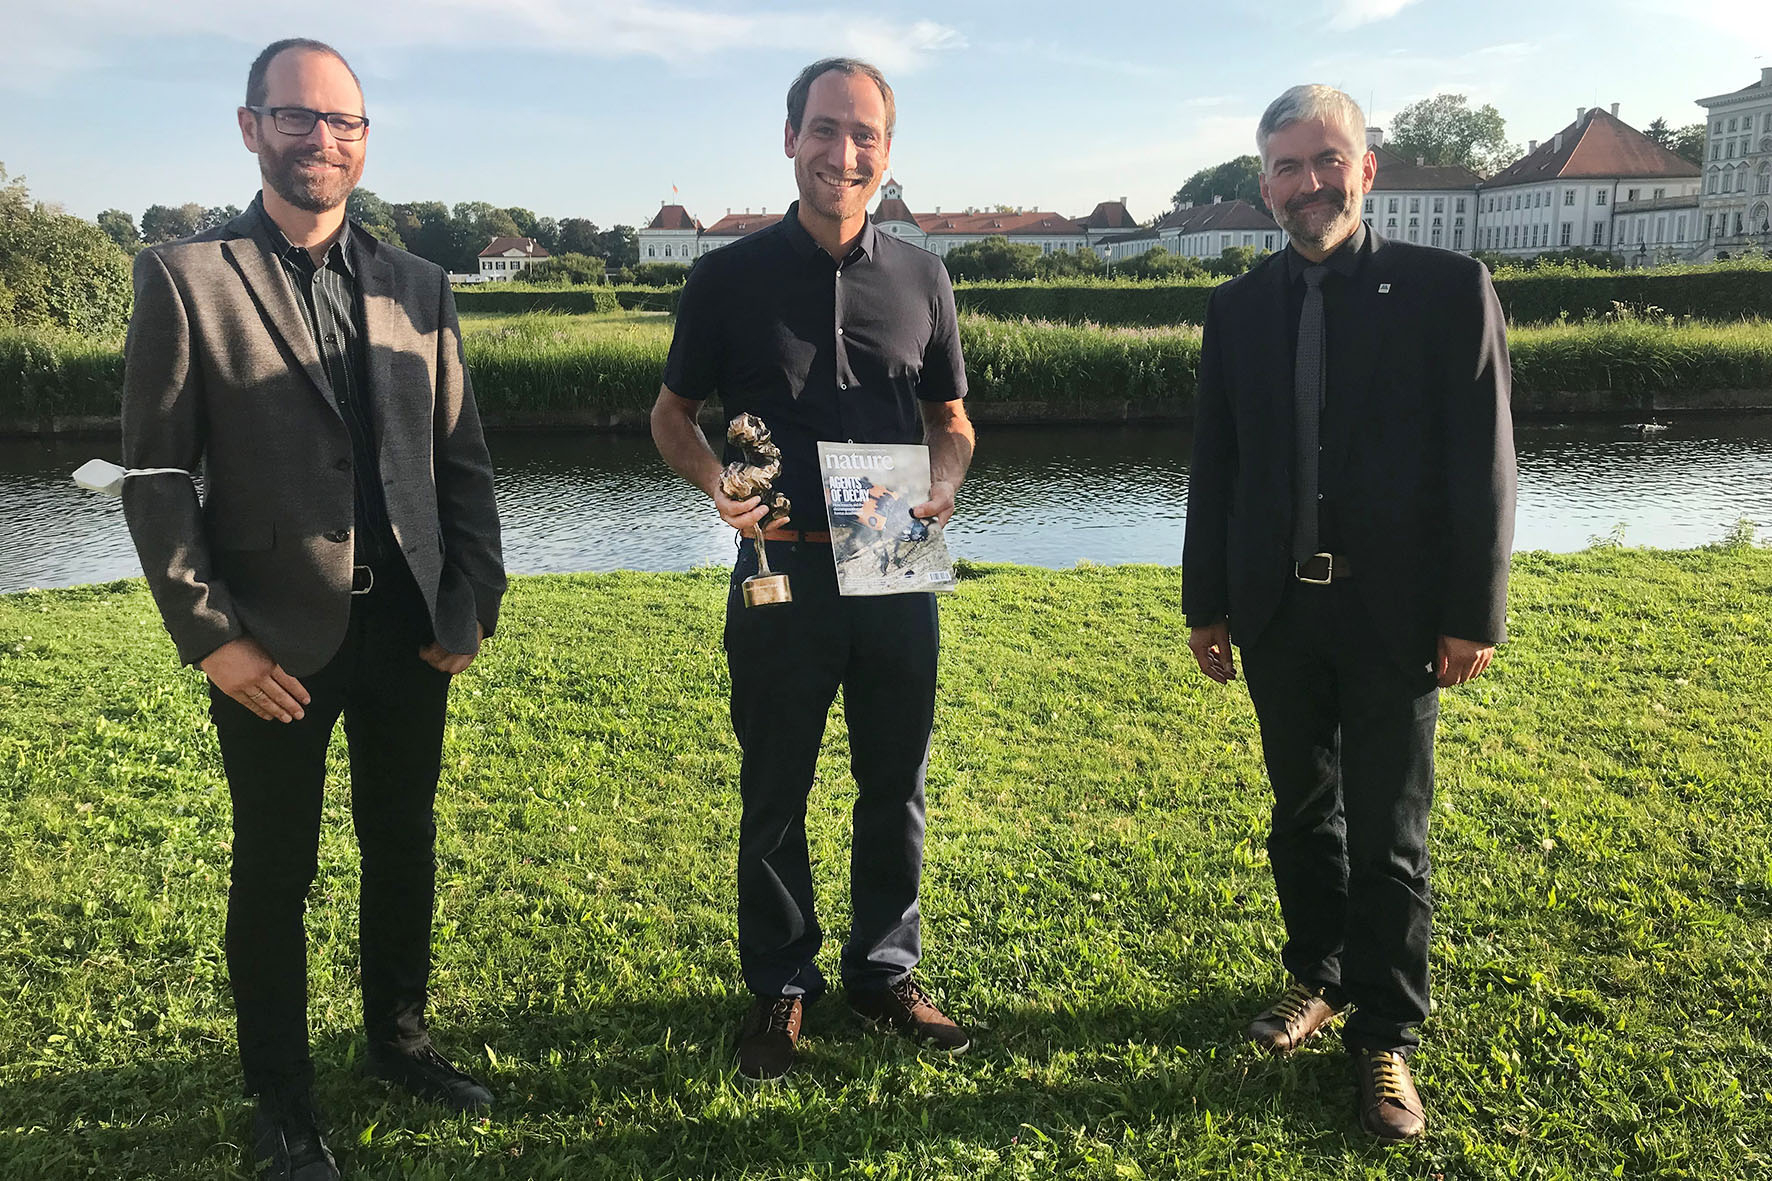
(1044, 496)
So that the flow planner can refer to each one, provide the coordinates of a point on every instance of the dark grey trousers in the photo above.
(1349, 740)
(788, 661)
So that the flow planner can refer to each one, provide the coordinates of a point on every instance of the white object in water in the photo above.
(103, 476)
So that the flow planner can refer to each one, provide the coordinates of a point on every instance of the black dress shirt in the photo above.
(818, 348)
(1345, 266)
(330, 296)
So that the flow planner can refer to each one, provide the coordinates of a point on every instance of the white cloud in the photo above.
(41, 45)
(1351, 14)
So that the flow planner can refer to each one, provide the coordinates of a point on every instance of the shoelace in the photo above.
(781, 1014)
(911, 994)
(1387, 1077)
(1290, 1007)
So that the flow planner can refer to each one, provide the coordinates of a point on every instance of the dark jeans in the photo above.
(787, 663)
(393, 705)
(1349, 740)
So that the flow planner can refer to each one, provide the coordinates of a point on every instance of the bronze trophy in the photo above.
(755, 476)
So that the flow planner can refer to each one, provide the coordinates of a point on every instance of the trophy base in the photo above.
(761, 590)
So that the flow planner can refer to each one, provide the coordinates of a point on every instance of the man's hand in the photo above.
(1211, 646)
(743, 515)
(245, 671)
(1461, 660)
(940, 505)
(445, 661)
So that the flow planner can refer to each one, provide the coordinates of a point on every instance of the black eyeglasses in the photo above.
(301, 120)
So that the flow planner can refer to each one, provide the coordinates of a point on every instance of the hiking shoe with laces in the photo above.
(1390, 1107)
(1299, 1015)
(768, 1036)
(907, 1009)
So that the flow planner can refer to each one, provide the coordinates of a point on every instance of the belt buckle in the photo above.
(1328, 567)
(368, 581)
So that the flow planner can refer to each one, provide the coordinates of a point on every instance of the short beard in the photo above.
(1293, 223)
(321, 196)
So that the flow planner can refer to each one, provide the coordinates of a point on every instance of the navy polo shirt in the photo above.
(816, 348)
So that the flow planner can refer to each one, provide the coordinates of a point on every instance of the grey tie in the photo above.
(1307, 403)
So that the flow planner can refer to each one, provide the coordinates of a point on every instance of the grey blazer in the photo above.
(221, 375)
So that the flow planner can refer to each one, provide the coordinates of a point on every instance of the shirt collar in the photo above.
(1345, 261)
(280, 245)
(805, 247)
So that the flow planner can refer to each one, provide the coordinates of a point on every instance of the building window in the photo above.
(1709, 224)
(1716, 151)
(1269, 240)
(1439, 204)
(1599, 231)
(1599, 196)
(1731, 125)
(1390, 206)
(1458, 239)
(1568, 196)
(1390, 223)
(1368, 206)
(1415, 205)
(1436, 238)
(1630, 194)
(1660, 193)
(650, 252)
(1568, 229)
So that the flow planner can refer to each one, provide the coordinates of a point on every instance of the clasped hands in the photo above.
(243, 670)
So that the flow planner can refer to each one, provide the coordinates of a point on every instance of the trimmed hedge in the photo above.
(1721, 291)
(508, 299)
(543, 371)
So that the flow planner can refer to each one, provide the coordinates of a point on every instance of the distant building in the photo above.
(734, 226)
(1737, 169)
(1412, 201)
(506, 258)
(1597, 183)
(1207, 231)
(671, 236)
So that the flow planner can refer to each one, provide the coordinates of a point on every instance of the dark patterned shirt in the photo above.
(334, 305)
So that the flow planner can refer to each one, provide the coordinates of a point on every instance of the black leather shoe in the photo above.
(286, 1140)
(426, 1073)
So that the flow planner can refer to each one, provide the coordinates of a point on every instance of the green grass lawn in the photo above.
(1097, 902)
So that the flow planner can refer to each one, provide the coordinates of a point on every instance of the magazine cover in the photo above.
(880, 549)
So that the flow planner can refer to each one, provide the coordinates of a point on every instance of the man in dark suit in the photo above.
(1350, 515)
(344, 560)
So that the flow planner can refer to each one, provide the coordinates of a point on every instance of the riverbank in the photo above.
(603, 371)
(1096, 901)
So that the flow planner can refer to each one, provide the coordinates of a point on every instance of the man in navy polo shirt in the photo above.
(826, 330)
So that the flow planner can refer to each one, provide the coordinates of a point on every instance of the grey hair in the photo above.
(1310, 101)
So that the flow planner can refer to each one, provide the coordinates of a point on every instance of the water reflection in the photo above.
(1044, 496)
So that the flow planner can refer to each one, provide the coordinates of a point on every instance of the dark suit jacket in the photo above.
(1422, 442)
(221, 374)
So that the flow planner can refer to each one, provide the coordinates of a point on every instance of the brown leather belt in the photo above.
(1322, 569)
(782, 533)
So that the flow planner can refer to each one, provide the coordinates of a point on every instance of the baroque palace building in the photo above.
(1736, 203)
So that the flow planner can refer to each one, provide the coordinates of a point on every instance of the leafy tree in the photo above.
(120, 227)
(566, 268)
(547, 232)
(163, 223)
(1158, 263)
(1065, 264)
(221, 215)
(58, 270)
(1234, 260)
(1688, 143)
(524, 219)
(374, 215)
(1445, 130)
(995, 257)
(424, 226)
(1234, 179)
(473, 225)
(620, 245)
(578, 236)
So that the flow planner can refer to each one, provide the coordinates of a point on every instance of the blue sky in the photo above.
(595, 109)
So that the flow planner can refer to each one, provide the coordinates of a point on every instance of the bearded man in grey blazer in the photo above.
(344, 560)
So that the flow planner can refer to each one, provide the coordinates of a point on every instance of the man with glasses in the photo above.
(344, 561)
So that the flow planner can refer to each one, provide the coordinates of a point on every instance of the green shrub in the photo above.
(1724, 291)
(57, 270)
(54, 373)
(505, 299)
(1116, 302)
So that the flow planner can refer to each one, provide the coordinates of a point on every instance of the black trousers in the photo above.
(787, 662)
(393, 705)
(1349, 739)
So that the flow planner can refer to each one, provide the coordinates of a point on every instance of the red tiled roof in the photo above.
(740, 224)
(673, 217)
(1111, 215)
(1598, 145)
(527, 247)
(893, 209)
(1007, 224)
(1220, 215)
(1395, 173)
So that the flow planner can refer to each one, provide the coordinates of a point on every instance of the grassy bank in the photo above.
(1097, 901)
(541, 368)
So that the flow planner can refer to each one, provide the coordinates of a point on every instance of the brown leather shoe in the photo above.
(906, 1008)
(1390, 1107)
(769, 1035)
(1299, 1015)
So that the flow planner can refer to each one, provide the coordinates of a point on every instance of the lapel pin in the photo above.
(1384, 289)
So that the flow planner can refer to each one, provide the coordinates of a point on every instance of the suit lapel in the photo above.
(283, 312)
(1279, 355)
(382, 321)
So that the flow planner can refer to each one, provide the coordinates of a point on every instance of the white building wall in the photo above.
(1735, 204)
(1446, 218)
